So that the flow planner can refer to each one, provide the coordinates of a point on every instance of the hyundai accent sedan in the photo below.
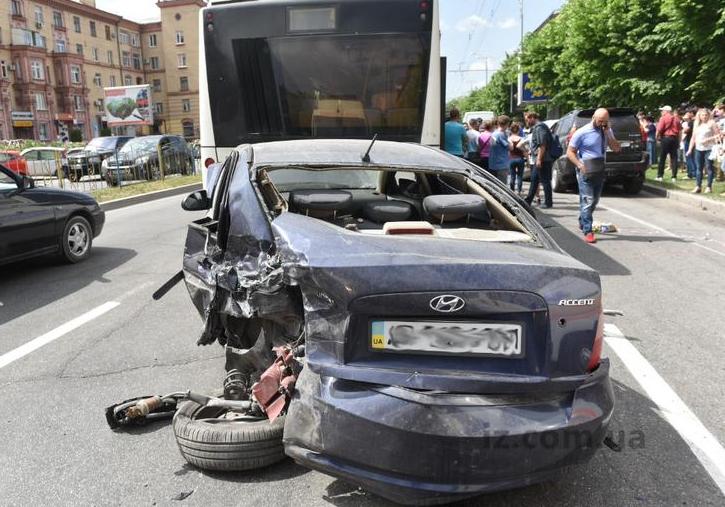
(431, 339)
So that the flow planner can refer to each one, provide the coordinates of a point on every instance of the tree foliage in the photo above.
(626, 53)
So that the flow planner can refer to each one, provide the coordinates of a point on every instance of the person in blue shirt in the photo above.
(455, 132)
(498, 162)
(587, 151)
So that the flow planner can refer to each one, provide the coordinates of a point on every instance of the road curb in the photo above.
(694, 200)
(150, 196)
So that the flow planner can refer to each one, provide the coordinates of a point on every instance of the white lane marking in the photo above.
(703, 444)
(660, 229)
(56, 333)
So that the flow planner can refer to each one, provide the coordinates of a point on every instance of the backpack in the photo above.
(555, 149)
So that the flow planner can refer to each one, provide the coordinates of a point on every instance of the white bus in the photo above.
(274, 70)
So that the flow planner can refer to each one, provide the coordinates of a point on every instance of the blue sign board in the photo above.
(527, 93)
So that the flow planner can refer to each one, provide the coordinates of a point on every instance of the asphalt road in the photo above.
(663, 269)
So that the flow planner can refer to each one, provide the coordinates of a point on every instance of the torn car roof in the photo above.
(350, 152)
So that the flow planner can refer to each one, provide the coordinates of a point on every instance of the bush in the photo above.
(76, 136)
(105, 132)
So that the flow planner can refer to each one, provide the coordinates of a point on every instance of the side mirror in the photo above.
(28, 183)
(196, 201)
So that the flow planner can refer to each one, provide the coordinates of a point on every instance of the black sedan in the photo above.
(41, 221)
(401, 319)
(88, 161)
(139, 159)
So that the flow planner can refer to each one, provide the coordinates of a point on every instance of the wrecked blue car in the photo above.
(393, 316)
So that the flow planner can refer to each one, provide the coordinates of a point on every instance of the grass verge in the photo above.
(684, 184)
(111, 193)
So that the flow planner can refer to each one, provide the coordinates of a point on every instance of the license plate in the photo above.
(436, 337)
(624, 144)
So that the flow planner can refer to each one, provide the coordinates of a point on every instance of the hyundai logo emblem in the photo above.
(447, 303)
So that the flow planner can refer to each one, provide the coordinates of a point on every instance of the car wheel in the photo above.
(76, 240)
(74, 176)
(211, 438)
(633, 187)
(556, 184)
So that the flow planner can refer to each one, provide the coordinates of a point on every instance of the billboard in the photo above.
(527, 93)
(128, 105)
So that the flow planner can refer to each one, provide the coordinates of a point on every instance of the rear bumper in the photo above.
(414, 447)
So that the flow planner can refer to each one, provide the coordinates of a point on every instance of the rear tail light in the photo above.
(209, 161)
(596, 356)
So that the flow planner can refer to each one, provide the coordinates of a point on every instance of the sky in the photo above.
(475, 34)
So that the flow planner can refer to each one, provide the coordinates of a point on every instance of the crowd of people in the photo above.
(692, 138)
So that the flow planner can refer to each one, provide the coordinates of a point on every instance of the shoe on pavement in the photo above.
(708, 190)
(658, 178)
(696, 190)
(590, 238)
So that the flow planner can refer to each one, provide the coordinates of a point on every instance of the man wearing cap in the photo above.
(668, 133)
(587, 151)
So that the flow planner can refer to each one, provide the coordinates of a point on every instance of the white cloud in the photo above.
(481, 65)
(507, 23)
(472, 23)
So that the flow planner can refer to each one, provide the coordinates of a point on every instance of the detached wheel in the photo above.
(76, 240)
(213, 438)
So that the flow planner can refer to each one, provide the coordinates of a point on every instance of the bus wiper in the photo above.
(366, 157)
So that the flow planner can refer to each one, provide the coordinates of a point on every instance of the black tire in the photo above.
(76, 240)
(74, 176)
(557, 185)
(633, 187)
(226, 444)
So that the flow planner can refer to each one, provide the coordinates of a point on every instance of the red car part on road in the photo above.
(13, 161)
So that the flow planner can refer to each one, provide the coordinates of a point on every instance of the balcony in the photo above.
(23, 37)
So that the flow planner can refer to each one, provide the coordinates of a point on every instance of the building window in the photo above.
(78, 102)
(18, 70)
(40, 104)
(108, 32)
(181, 60)
(184, 84)
(137, 61)
(186, 105)
(94, 53)
(134, 40)
(179, 37)
(152, 40)
(157, 85)
(92, 27)
(97, 80)
(36, 70)
(112, 79)
(188, 126)
(158, 107)
(77, 24)
(43, 131)
(4, 72)
(125, 59)
(155, 62)
(60, 46)
(57, 19)
(127, 80)
(75, 74)
(109, 55)
(79, 49)
(123, 37)
(38, 16)
(99, 105)
(15, 8)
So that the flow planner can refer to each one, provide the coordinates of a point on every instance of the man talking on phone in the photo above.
(587, 151)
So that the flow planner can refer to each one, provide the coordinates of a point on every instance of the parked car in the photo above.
(139, 159)
(45, 220)
(625, 168)
(13, 161)
(88, 160)
(446, 337)
(45, 160)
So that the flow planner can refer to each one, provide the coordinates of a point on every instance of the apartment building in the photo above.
(56, 56)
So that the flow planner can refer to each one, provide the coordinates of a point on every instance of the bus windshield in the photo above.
(296, 69)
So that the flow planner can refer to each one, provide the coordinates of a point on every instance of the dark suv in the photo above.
(96, 151)
(625, 168)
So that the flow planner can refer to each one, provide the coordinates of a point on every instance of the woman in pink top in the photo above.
(484, 143)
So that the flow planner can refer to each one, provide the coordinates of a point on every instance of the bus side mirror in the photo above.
(196, 201)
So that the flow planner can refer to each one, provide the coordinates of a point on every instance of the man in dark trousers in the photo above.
(541, 140)
(587, 151)
(668, 133)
